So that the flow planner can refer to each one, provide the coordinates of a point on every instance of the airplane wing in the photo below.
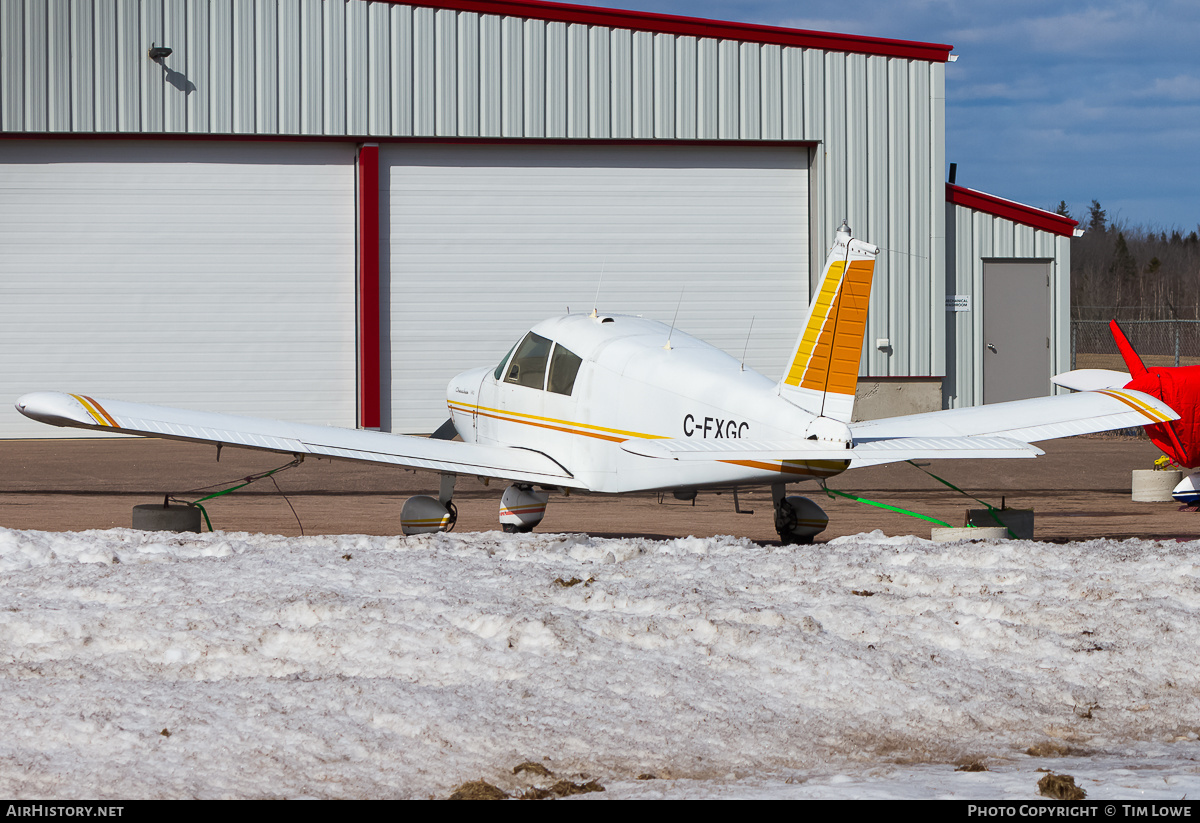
(1027, 421)
(1091, 379)
(1001, 430)
(80, 411)
(901, 448)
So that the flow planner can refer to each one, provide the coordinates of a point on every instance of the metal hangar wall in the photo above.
(1008, 290)
(320, 210)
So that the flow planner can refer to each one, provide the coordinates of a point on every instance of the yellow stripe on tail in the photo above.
(823, 371)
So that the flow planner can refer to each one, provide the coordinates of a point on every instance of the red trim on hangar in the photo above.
(694, 26)
(380, 139)
(369, 361)
(1010, 210)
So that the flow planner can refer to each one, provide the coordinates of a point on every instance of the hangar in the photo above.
(320, 210)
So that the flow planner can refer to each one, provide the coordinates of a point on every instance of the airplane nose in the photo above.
(465, 386)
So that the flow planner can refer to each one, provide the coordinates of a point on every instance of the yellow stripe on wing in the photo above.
(103, 411)
(96, 411)
(1137, 405)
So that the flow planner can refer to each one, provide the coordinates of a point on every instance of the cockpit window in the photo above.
(564, 365)
(500, 368)
(528, 366)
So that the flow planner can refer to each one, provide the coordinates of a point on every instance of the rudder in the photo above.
(822, 374)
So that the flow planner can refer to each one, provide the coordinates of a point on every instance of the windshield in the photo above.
(528, 366)
(500, 368)
(535, 356)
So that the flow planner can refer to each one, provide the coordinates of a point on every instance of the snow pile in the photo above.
(140, 664)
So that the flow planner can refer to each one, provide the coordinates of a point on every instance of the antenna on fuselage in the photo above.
(845, 234)
(596, 301)
(673, 319)
(746, 348)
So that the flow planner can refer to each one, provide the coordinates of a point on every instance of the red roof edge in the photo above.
(1016, 212)
(694, 26)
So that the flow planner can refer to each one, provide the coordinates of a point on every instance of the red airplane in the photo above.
(1177, 386)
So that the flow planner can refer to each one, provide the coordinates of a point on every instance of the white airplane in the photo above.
(612, 404)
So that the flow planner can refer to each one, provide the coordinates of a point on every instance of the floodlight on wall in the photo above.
(158, 52)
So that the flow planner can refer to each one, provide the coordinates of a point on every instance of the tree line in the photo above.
(1132, 273)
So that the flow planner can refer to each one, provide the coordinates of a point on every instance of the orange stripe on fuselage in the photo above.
(818, 468)
(552, 428)
(568, 426)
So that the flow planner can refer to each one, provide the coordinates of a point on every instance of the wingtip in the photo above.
(53, 408)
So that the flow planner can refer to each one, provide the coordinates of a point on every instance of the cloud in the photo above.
(1076, 32)
(1182, 87)
(1097, 98)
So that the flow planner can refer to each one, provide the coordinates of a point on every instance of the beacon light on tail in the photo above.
(600, 403)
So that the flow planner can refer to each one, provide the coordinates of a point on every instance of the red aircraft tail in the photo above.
(1132, 361)
(1179, 388)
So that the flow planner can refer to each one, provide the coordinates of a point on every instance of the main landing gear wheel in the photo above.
(797, 519)
(427, 515)
(521, 508)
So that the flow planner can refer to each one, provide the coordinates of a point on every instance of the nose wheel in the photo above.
(522, 508)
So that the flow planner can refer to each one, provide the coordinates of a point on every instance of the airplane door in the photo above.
(534, 406)
(512, 410)
(485, 417)
(1016, 330)
(473, 434)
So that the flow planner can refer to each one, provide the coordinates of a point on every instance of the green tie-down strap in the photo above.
(246, 482)
(991, 509)
(204, 511)
(832, 492)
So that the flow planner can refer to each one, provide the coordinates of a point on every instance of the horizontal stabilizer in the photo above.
(1039, 418)
(1091, 379)
(119, 416)
(884, 451)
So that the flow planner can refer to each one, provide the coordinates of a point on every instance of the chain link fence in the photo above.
(1159, 342)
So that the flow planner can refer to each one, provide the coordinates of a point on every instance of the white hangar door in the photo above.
(209, 275)
(487, 240)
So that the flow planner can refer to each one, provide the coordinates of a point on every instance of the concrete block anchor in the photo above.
(1018, 521)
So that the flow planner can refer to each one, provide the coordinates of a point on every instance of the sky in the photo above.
(1047, 102)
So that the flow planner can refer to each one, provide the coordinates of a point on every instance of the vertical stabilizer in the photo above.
(822, 372)
(1133, 361)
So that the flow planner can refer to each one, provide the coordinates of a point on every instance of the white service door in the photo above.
(209, 275)
(487, 240)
